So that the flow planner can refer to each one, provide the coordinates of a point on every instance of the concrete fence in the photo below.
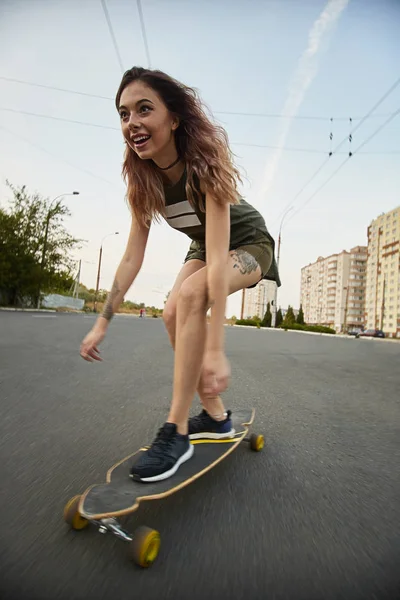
(58, 301)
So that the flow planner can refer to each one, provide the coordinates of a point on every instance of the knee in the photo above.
(192, 297)
(169, 316)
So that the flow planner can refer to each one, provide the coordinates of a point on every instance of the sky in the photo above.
(261, 66)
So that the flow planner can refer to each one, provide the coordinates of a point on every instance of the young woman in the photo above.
(178, 166)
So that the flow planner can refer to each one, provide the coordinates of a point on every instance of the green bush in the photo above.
(313, 328)
(320, 329)
(251, 322)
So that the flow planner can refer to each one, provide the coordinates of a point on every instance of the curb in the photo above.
(39, 310)
(330, 335)
(336, 336)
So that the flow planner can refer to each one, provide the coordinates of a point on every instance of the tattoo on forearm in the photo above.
(245, 262)
(108, 307)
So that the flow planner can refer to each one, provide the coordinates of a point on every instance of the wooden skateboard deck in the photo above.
(120, 495)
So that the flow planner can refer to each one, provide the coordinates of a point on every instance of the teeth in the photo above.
(141, 139)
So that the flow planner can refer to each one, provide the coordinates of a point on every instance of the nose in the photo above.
(133, 122)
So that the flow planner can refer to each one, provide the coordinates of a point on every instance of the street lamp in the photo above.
(46, 233)
(99, 267)
(273, 321)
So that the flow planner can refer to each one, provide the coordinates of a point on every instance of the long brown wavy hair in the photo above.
(201, 144)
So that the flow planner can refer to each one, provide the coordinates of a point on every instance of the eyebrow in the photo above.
(138, 102)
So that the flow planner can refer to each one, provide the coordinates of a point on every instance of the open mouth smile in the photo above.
(140, 140)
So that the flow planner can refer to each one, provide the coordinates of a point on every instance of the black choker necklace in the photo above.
(170, 166)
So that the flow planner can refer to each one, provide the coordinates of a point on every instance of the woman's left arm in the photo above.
(217, 250)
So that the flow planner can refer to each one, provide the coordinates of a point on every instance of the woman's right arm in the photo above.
(126, 274)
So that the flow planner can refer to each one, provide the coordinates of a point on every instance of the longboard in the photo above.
(103, 503)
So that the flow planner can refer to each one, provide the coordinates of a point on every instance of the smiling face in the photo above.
(147, 125)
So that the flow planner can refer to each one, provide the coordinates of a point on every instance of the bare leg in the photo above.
(190, 333)
(213, 405)
(191, 328)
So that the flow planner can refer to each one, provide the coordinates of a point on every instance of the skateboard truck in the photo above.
(111, 524)
(143, 544)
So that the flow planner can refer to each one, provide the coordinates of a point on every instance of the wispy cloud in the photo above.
(303, 76)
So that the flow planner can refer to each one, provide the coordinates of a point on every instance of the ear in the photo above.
(175, 123)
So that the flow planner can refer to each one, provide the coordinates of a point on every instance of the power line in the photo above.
(52, 87)
(219, 112)
(298, 117)
(366, 116)
(31, 114)
(385, 95)
(380, 153)
(310, 150)
(57, 157)
(110, 28)
(392, 116)
(146, 47)
(109, 127)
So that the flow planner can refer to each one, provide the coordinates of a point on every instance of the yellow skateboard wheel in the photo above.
(256, 442)
(72, 516)
(144, 547)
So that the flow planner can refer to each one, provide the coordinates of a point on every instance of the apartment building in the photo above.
(255, 300)
(333, 289)
(356, 288)
(382, 305)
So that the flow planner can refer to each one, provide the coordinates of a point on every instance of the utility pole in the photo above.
(98, 279)
(46, 234)
(378, 264)
(242, 307)
(75, 292)
(345, 308)
(383, 301)
(99, 268)
(275, 308)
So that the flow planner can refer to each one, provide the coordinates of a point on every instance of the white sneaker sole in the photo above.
(188, 454)
(212, 436)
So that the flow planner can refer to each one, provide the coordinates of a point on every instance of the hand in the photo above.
(216, 373)
(89, 350)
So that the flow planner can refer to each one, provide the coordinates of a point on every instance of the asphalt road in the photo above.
(314, 516)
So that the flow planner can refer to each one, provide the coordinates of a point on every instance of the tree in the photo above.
(19, 271)
(300, 316)
(289, 319)
(25, 264)
(279, 318)
(267, 320)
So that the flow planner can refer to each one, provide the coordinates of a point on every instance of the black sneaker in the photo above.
(168, 451)
(204, 426)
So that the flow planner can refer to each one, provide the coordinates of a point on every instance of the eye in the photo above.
(123, 115)
(144, 109)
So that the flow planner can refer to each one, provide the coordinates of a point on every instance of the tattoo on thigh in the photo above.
(244, 261)
(108, 307)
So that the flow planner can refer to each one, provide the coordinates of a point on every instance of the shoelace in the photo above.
(162, 442)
